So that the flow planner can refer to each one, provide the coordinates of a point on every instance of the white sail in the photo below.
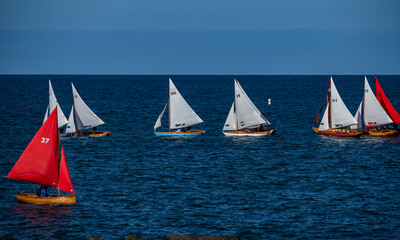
(85, 117)
(181, 114)
(71, 123)
(374, 114)
(46, 115)
(358, 117)
(248, 115)
(62, 121)
(231, 121)
(341, 117)
(324, 125)
(158, 123)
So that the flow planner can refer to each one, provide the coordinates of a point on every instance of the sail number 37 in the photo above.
(45, 140)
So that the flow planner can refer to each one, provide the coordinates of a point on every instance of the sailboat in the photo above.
(244, 119)
(53, 103)
(337, 120)
(181, 116)
(376, 114)
(42, 164)
(85, 118)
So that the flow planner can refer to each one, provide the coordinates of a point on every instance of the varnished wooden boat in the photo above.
(192, 132)
(264, 132)
(42, 163)
(339, 132)
(92, 134)
(244, 118)
(181, 116)
(337, 119)
(86, 120)
(35, 199)
(383, 132)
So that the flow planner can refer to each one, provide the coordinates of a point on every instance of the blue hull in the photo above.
(64, 135)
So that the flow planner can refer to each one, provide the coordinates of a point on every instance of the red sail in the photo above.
(39, 162)
(384, 101)
(65, 182)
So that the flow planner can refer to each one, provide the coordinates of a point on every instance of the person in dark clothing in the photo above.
(42, 191)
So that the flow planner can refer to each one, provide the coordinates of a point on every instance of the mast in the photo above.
(237, 122)
(169, 105)
(363, 111)
(234, 100)
(76, 116)
(58, 160)
(169, 115)
(329, 100)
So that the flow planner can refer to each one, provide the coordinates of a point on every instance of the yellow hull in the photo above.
(383, 133)
(92, 134)
(337, 132)
(33, 198)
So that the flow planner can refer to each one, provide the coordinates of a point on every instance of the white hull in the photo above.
(247, 134)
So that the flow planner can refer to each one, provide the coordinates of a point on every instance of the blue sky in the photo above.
(199, 37)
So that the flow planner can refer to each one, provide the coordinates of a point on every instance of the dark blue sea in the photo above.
(292, 185)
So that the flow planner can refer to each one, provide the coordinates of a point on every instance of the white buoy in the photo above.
(269, 101)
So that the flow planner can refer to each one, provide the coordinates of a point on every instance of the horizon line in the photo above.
(203, 74)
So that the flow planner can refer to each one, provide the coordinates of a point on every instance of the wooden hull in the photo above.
(92, 134)
(384, 132)
(64, 135)
(339, 132)
(33, 198)
(265, 132)
(193, 132)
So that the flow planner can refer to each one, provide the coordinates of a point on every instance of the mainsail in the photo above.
(71, 123)
(341, 117)
(231, 120)
(181, 114)
(247, 113)
(387, 106)
(39, 162)
(374, 114)
(85, 117)
(53, 103)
